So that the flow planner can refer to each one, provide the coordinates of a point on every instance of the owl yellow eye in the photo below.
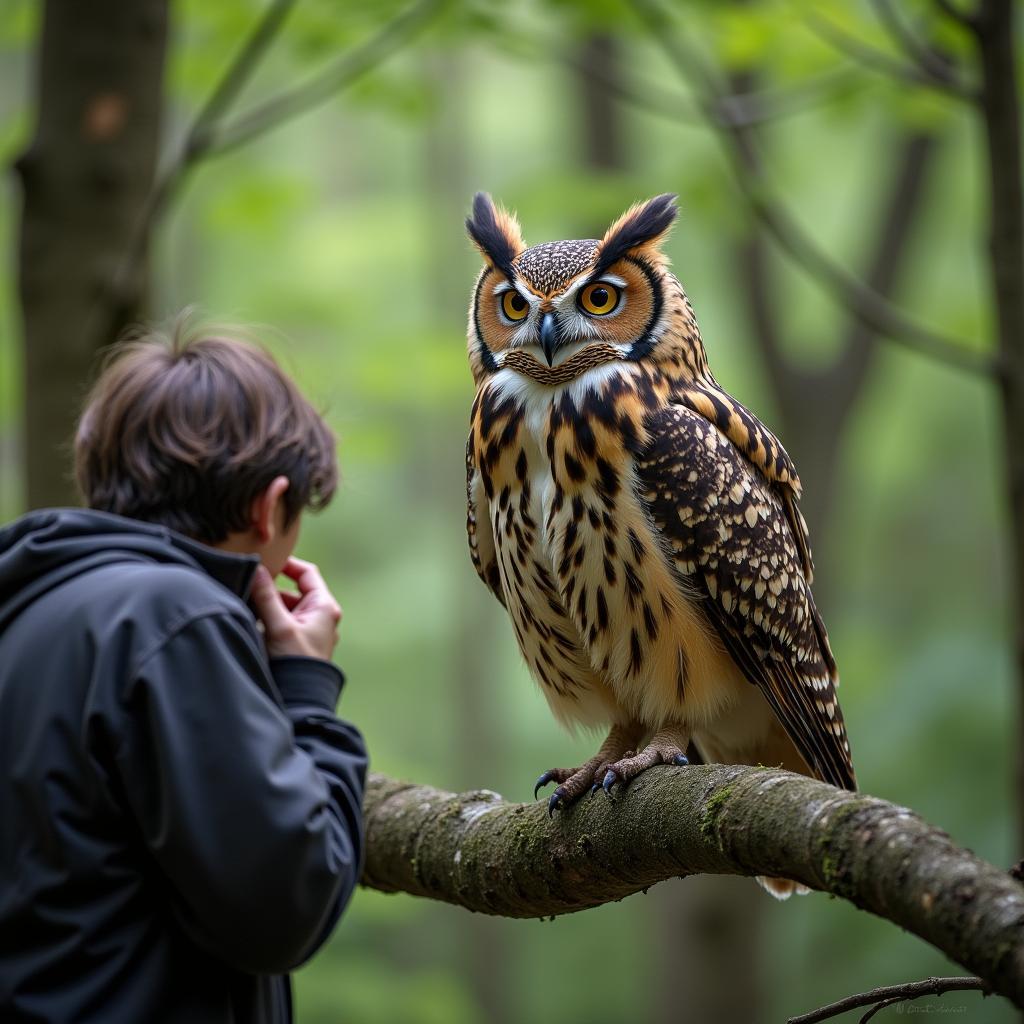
(514, 306)
(599, 298)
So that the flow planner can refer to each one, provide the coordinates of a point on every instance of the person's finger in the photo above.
(315, 601)
(289, 598)
(268, 603)
(305, 574)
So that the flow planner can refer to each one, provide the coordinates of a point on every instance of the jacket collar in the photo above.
(231, 570)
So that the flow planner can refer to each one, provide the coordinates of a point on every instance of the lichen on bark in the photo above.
(477, 851)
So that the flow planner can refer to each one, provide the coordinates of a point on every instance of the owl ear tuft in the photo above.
(495, 232)
(643, 225)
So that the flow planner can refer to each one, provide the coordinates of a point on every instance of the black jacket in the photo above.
(180, 819)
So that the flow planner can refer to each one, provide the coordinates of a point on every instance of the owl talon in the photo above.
(547, 777)
(680, 759)
(594, 788)
(555, 803)
(609, 780)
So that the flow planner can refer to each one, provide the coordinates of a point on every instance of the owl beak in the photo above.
(549, 340)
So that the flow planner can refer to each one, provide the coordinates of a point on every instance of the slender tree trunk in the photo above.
(85, 177)
(996, 32)
(602, 134)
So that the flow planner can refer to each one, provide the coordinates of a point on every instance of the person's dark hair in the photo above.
(186, 428)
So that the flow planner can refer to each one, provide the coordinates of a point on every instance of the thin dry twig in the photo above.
(874, 309)
(888, 995)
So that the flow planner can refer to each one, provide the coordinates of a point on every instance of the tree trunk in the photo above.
(85, 178)
(602, 136)
(996, 28)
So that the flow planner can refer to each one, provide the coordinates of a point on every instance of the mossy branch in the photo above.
(477, 851)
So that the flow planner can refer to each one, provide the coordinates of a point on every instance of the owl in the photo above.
(639, 525)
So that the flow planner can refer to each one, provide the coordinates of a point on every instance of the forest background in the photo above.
(337, 237)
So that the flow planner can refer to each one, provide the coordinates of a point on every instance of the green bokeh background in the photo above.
(339, 239)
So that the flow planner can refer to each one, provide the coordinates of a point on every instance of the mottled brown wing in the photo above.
(761, 447)
(728, 531)
(478, 527)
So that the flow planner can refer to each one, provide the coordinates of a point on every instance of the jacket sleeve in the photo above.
(250, 803)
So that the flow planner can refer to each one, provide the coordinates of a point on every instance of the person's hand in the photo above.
(303, 623)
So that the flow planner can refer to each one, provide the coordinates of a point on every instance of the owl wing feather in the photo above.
(727, 529)
(478, 527)
(761, 447)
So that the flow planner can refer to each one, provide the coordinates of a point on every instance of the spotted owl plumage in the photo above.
(639, 524)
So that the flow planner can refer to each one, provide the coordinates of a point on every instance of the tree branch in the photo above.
(476, 851)
(874, 59)
(208, 137)
(954, 13)
(224, 93)
(930, 60)
(897, 219)
(304, 97)
(238, 72)
(101, 325)
(865, 302)
(739, 108)
(888, 995)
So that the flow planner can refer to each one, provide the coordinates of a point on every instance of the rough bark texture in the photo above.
(995, 27)
(476, 851)
(85, 178)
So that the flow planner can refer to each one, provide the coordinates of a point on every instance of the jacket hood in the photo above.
(44, 549)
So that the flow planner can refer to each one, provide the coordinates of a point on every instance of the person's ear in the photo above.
(267, 509)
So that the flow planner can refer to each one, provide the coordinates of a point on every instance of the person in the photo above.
(180, 809)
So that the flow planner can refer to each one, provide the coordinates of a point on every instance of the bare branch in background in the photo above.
(954, 13)
(896, 219)
(346, 70)
(208, 136)
(238, 72)
(930, 61)
(865, 302)
(878, 60)
(889, 995)
(744, 108)
(224, 93)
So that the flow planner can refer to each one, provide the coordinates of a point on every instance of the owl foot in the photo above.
(658, 751)
(574, 782)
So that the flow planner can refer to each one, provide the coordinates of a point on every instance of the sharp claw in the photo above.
(609, 781)
(555, 802)
(680, 759)
(594, 788)
(542, 781)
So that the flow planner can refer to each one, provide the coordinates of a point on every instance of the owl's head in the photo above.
(554, 310)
